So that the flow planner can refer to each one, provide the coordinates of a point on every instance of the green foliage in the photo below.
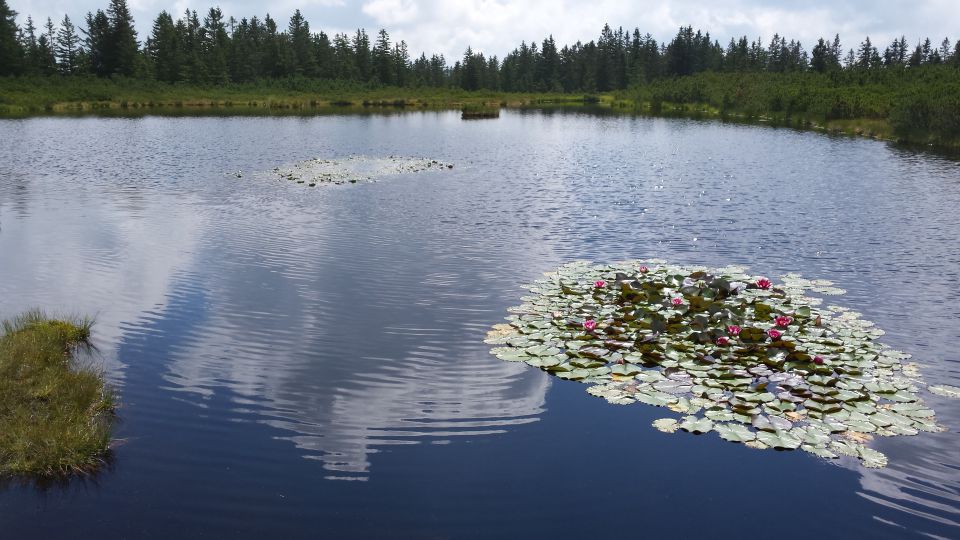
(11, 53)
(759, 364)
(55, 414)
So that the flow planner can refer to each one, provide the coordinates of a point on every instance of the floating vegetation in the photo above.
(757, 363)
(475, 111)
(353, 169)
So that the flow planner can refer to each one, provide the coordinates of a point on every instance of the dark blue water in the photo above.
(300, 362)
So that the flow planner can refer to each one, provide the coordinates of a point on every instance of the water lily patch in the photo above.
(756, 362)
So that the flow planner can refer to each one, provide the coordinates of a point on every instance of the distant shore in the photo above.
(890, 114)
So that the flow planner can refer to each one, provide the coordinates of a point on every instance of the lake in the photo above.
(298, 362)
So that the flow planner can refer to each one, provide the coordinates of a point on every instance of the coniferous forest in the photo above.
(914, 86)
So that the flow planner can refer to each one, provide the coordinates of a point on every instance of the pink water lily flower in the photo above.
(783, 321)
(764, 283)
(677, 301)
(589, 325)
(599, 283)
(818, 360)
(774, 334)
(723, 340)
(734, 330)
(644, 269)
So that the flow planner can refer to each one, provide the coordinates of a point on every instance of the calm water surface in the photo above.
(305, 363)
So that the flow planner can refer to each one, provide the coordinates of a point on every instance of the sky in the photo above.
(495, 27)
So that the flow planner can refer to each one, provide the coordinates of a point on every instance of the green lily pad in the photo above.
(666, 425)
(945, 390)
(696, 425)
(783, 440)
(734, 432)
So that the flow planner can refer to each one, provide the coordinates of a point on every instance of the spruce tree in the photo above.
(215, 46)
(164, 49)
(122, 41)
(98, 43)
(68, 47)
(11, 53)
(382, 58)
(304, 60)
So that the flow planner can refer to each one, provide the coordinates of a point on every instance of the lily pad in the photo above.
(666, 425)
(734, 432)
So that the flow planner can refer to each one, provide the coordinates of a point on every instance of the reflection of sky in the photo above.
(113, 260)
(351, 318)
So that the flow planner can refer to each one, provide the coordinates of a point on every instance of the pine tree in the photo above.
(123, 45)
(97, 40)
(46, 60)
(164, 49)
(68, 47)
(11, 53)
(382, 59)
(215, 45)
(304, 61)
(28, 41)
(401, 64)
(361, 55)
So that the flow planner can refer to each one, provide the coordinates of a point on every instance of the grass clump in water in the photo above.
(55, 414)
(479, 110)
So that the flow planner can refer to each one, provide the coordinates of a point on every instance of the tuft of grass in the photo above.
(479, 110)
(55, 412)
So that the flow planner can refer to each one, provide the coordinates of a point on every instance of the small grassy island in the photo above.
(55, 414)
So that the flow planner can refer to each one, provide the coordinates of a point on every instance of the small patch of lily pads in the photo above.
(353, 169)
(757, 363)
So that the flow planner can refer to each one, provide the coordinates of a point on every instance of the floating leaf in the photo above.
(697, 425)
(734, 432)
(945, 390)
(666, 425)
(779, 439)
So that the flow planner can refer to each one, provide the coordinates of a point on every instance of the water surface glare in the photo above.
(296, 362)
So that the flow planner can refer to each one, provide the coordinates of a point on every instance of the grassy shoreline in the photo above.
(45, 96)
(56, 412)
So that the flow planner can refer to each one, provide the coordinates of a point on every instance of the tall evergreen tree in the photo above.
(46, 60)
(215, 47)
(361, 55)
(381, 55)
(68, 47)
(123, 46)
(164, 49)
(304, 60)
(97, 43)
(11, 53)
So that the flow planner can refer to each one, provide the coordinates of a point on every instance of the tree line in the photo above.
(217, 49)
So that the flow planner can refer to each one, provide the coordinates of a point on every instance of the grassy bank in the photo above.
(917, 107)
(43, 95)
(55, 413)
